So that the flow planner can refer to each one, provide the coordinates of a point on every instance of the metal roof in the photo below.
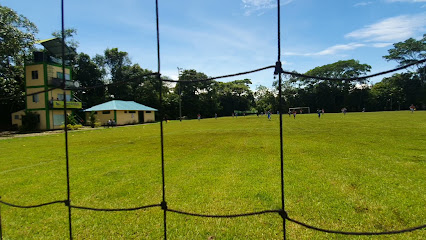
(54, 46)
(120, 105)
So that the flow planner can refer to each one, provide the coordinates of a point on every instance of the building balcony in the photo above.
(70, 105)
(57, 82)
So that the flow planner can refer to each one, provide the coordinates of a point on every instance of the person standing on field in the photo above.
(412, 108)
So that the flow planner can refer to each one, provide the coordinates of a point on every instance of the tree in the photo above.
(191, 92)
(116, 63)
(145, 90)
(235, 95)
(265, 99)
(17, 37)
(398, 92)
(408, 51)
(332, 95)
(88, 74)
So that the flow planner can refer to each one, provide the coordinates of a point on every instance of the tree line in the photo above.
(17, 35)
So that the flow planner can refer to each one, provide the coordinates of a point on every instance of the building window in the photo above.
(132, 111)
(58, 119)
(16, 116)
(148, 111)
(106, 112)
(59, 75)
(35, 98)
(34, 74)
(61, 97)
(125, 111)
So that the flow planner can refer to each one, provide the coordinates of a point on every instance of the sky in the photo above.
(219, 37)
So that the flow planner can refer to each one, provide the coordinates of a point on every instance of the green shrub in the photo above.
(72, 127)
(71, 119)
(92, 119)
(77, 126)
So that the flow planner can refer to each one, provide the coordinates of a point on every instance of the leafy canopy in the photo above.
(409, 51)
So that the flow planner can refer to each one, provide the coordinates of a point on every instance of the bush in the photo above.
(72, 127)
(92, 119)
(71, 119)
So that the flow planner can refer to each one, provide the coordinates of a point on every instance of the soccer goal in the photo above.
(300, 109)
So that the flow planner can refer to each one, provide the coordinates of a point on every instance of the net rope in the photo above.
(163, 205)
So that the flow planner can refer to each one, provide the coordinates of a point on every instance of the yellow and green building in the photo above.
(122, 112)
(43, 93)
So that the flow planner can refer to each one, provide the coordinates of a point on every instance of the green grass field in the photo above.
(359, 172)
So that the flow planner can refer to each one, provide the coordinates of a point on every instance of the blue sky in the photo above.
(221, 37)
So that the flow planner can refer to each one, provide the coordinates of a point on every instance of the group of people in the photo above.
(294, 113)
(111, 123)
(320, 112)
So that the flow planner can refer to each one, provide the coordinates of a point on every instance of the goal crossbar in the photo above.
(300, 108)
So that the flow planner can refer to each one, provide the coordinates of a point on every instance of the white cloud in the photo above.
(259, 3)
(381, 45)
(392, 29)
(219, 36)
(413, 1)
(338, 48)
(251, 6)
(362, 4)
(333, 50)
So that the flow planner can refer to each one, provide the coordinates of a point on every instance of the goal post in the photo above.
(298, 109)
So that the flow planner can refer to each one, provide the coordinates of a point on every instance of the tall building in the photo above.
(43, 88)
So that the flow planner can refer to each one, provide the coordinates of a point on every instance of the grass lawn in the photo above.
(359, 172)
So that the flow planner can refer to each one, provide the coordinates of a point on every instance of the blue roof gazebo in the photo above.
(120, 105)
(123, 112)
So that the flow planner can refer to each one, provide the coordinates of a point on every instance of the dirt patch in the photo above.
(16, 134)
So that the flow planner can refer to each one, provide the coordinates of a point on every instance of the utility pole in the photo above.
(179, 92)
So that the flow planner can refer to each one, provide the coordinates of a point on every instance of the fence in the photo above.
(163, 204)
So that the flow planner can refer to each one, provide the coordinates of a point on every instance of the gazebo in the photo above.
(122, 112)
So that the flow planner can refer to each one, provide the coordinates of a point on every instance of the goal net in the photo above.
(300, 109)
